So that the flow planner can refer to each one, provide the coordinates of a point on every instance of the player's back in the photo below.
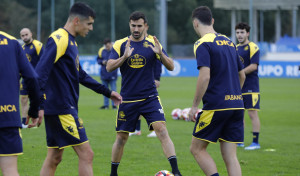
(217, 52)
(13, 63)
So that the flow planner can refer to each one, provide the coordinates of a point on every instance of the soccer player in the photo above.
(59, 76)
(219, 84)
(136, 56)
(157, 74)
(33, 50)
(14, 63)
(109, 79)
(249, 53)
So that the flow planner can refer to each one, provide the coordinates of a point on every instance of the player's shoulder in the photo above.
(60, 37)
(207, 38)
(100, 51)
(253, 46)
(37, 43)
(121, 41)
(6, 35)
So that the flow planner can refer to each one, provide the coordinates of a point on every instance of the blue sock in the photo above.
(138, 125)
(255, 137)
(23, 120)
(114, 169)
(216, 174)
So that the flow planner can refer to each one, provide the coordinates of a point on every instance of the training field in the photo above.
(280, 127)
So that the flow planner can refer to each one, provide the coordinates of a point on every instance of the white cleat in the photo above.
(137, 133)
(253, 146)
(24, 126)
(152, 134)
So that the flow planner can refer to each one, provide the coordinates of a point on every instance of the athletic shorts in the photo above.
(64, 131)
(10, 141)
(227, 126)
(251, 101)
(129, 112)
(23, 89)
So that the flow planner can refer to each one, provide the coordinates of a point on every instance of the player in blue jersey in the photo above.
(220, 79)
(59, 76)
(109, 79)
(136, 56)
(13, 64)
(249, 53)
(157, 74)
(33, 50)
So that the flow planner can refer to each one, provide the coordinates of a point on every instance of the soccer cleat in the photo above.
(24, 126)
(152, 134)
(137, 133)
(253, 146)
(240, 145)
(103, 107)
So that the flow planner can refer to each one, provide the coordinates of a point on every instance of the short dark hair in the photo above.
(138, 15)
(106, 40)
(203, 14)
(82, 9)
(243, 25)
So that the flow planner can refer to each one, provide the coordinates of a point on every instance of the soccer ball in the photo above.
(185, 114)
(164, 173)
(176, 114)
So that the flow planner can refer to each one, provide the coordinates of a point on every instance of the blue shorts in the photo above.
(251, 101)
(23, 89)
(10, 141)
(129, 112)
(227, 126)
(64, 131)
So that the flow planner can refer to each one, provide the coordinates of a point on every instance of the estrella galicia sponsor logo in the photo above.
(136, 61)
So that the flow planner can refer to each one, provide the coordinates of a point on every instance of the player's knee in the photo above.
(89, 156)
(193, 149)
(56, 159)
(121, 139)
(161, 130)
(24, 100)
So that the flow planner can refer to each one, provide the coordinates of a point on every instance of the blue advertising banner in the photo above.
(188, 68)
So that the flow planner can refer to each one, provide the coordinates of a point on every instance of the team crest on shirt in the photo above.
(242, 59)
(136, 61)
(77, 62)
(246, 48)
(31, 47)
(146, 44)
(28, 57)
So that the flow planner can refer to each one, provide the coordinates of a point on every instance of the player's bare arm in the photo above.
(251, 68)
(114, 64)
(168, 62)
(202, 84)
(242, 77)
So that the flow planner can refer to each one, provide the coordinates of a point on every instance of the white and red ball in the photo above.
(185, 114)
(164, 173)
(176, 114)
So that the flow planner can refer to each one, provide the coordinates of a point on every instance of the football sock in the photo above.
(255, 137)
(216, 174)
(114, 169)
(173, 162)
(23, 120)
(138, 126)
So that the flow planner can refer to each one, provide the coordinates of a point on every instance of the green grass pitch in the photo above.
(280, 126)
